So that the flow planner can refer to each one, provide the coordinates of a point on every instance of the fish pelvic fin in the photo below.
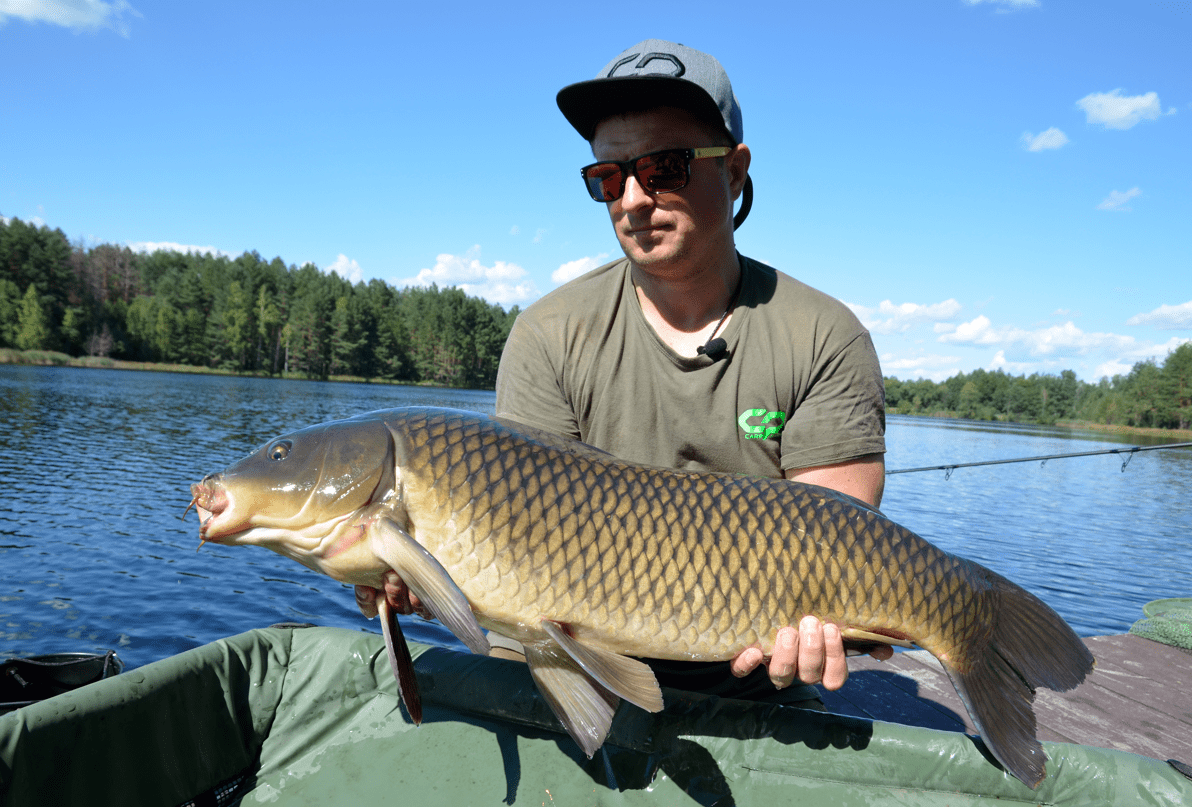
(427, 578)
(400, 660)
(629, 678)
(1030, 646)
(583, 706)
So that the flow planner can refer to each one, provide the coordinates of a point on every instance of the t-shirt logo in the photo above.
(759, 430)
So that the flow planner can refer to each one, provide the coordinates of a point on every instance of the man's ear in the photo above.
(737, 162)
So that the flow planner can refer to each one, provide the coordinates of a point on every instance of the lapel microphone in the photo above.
(715, 349)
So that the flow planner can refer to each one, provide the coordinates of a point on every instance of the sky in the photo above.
(997, 184)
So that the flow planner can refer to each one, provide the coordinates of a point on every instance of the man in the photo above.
(684, 353)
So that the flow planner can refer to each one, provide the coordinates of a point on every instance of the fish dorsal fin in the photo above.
(400, 660)
(584, 707)
(629, 678)
(427, 578)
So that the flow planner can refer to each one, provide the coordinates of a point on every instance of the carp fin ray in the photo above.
(400, 660)
(629, 678)
(427, 578)
(865, 637)
(583, 706)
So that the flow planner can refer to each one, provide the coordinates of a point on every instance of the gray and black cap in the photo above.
(650, 74)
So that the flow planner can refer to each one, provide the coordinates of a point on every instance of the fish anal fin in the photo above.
(400, 660)
(427, 578)
(868, 638)
(631, 679)
(583, 706)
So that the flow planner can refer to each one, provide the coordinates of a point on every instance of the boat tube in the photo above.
(312, 715)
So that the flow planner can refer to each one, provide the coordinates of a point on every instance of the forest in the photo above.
(246, 314)
(241, 314)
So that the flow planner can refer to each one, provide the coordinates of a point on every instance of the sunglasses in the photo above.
(663, 171)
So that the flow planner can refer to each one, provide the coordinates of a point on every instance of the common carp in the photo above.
(593, 563)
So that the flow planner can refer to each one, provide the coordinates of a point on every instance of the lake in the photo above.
(95, 469)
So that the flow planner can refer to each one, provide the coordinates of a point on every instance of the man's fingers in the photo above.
(747, 661)
(366, 600)
(811, 650)
(835, 663)
(786, 653)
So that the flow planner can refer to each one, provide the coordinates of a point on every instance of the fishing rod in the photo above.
(1129, 451)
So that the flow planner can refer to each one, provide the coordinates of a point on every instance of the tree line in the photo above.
(250, 315)
(241, 314)
(1150, 395)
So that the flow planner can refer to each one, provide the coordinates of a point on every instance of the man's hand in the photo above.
(399, 596)
(814, 652)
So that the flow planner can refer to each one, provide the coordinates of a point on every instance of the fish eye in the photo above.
(280, 450)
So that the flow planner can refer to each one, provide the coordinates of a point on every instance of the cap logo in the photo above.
(649, 57)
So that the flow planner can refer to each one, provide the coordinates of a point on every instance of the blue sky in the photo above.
(994, 184)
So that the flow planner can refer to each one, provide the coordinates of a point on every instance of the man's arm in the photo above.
(815, 651)
(863, 478)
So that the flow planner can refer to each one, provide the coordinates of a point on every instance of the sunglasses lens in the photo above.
(604, 181)
(663, 172)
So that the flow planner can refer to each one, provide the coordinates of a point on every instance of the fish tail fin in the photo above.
(1030, 646)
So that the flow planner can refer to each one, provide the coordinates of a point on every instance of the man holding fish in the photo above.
(686, 354)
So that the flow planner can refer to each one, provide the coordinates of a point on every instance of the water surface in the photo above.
(95, 468)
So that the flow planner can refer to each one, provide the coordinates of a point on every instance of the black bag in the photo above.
(27, 680)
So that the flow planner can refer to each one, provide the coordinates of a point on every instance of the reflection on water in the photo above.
(95, 467)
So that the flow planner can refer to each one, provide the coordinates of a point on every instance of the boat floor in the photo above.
(1136, 700)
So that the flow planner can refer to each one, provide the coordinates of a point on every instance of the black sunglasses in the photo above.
(663, 171)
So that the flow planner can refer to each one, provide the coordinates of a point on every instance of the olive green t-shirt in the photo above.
(800, 385)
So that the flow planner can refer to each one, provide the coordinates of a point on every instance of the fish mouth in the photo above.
(210, 500)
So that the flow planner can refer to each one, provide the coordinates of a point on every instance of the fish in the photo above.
(594, 563)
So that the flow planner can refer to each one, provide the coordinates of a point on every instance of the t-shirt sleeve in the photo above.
(529, 385)
(843, 415)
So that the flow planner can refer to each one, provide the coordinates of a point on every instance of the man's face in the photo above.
(672, 234)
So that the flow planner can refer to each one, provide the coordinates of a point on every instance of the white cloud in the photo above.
(1165, 317)
(502, 283)
(79, 15)
(346, 268)
(1063, 340)
(1116, 200)
(514, 230)
(169, 246)
(998, 362)
(573, 269)
(891, 318)
(934, 367)
(1116, 111)
(1053, 138)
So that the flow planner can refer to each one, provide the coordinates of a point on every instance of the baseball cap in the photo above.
(654, 73)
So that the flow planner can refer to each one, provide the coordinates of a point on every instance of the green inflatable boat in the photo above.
(295, 716)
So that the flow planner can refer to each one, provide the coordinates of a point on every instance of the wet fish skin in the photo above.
(588, 560)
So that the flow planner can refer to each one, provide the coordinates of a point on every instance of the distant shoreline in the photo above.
(49, 358)
(46, 358)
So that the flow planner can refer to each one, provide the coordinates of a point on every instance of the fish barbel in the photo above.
(590, 561)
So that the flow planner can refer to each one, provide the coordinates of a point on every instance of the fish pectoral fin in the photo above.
(864, 636)
(400, 660)
(427, 578)
(583, 706)
(631, 679)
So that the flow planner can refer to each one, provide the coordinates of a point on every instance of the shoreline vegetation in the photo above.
(185, 312)
(46, 358)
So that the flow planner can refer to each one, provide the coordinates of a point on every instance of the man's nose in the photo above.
(635, 197)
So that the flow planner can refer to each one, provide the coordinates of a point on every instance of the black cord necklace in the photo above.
(716, 347)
